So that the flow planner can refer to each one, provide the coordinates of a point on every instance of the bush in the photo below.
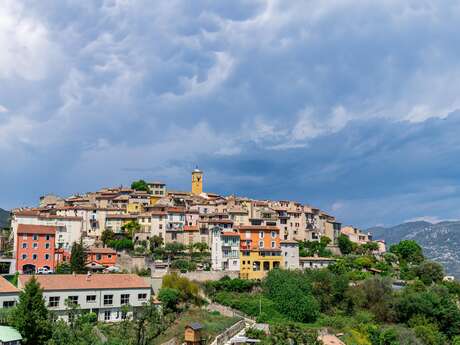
(183, 265)
(169, 297)
(122, 244)
(429, 272)
(230, 285)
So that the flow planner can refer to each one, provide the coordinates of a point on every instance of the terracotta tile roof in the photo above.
(96, 250)
(217, 221)
(83, 282)
(230, 233)
(6, 286)
(120, 216)
(176, 210)
(36, 229)
(190, 228)
(258, 227)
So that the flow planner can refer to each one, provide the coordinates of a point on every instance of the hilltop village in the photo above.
(250, 237)
(149, 265)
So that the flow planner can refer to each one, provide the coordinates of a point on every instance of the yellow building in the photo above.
(134, 208)
(197, 182)
(260, 251)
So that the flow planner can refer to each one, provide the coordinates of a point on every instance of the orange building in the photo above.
(260, 250)
(101, 256)
(35, 248)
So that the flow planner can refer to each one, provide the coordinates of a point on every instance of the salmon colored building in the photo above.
(101, 256)
(35, 248)
(260, 250)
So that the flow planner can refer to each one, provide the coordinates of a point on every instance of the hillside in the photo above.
(4, 218)
(440, 242)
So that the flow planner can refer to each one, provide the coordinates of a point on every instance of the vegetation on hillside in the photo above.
(357, 297)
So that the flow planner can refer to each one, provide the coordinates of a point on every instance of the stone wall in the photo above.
(130, 263)
(202, 276)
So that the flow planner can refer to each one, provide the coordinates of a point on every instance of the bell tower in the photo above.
(197, 181)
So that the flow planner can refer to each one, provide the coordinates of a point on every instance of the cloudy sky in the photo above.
(349, 105)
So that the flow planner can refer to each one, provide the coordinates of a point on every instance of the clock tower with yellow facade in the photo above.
(197, 182)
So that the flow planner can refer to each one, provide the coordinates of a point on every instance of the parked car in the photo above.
(44, 270)
(112, 269)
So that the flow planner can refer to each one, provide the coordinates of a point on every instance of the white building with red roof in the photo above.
(103, 294)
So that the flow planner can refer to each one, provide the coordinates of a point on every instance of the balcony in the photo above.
(174, 226)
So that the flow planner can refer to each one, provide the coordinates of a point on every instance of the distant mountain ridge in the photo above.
(4, 218)
(440, 241)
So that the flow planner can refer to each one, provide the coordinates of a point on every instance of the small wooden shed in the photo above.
(192, 334)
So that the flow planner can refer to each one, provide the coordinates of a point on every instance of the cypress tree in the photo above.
(77, 258)
(30, 317)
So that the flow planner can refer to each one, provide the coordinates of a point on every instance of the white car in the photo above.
(44, 270)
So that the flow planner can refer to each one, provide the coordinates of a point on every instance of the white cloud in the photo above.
(3, 109)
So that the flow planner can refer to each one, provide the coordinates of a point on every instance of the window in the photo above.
(261, 244)
(124, 315)
(108, 299)
(24, 245)
(261, 234)
(35, 245)
(273, 244)
(91, 299)
(8, 304)
(47, 256)
(273, 234)
(54, 301)
(47, 245)
(174, 236)
(24, 237)
(161, 225)
(106, 315)
(35, 237)
(24, 256)
(142, 296)
(34, 256)
(47, 237)
(73, 299)
(110, 255)
(98, 256)
(124, 299)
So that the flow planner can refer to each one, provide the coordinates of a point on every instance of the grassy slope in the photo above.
(213, 324)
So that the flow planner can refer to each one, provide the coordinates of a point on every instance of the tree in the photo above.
(140, 185)
(345, 245)
(107, 235)
(408, 250)
(63, 268)
(169, 297)
(174, 248)
(30, 317)
(156, 242)
(429, 272)
(131, 228)
(201, 247)
(77, 258)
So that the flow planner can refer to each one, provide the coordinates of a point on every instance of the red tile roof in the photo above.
(257, 227)
(190, 228)
(36, 229)
(83, 282)
(6, 286)
(96, 250)
(229, 233)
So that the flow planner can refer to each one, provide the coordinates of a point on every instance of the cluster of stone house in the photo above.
(244, 234)
(106, 295)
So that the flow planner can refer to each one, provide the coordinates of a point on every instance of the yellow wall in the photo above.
(154, 200)
(134, 208)
(246, 265)
(197, 182)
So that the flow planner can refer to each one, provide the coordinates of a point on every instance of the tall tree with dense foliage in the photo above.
(131, 228)
(77, 258)
(30, 317)
(107, 235)
(408, 250)
(140, 185)
(345, 245)
(429, 272)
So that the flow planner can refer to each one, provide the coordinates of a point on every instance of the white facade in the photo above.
(290, 253)
(225, 250)
(315, 262)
